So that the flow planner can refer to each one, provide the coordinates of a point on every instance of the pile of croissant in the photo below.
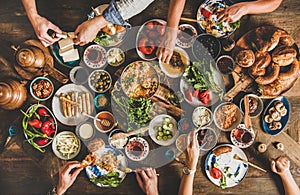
(271, 61)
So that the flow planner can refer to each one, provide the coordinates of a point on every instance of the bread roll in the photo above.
(245, 58)
(284, 55)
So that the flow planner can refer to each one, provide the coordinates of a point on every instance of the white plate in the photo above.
(96, 171)
(141, 35)
(238, 168)
(157, 121)
(143, 143)
(56, 106)
(175, 72)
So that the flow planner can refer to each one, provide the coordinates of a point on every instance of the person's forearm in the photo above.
(289, 184)
(186, 184)
(174, 13)
(30, 8)
(260, 6)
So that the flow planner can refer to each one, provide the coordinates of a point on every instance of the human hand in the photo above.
(165, 49)
(66, 179)
(192, 150)
(281, 166)
(147, 180)
(232, 13)
(88, 30)
(41, 25)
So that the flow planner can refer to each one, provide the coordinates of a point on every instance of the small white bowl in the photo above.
(65, 138)
(115, 54)
(107, 116)
(199, 115)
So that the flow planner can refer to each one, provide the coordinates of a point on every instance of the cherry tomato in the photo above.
(216, 173)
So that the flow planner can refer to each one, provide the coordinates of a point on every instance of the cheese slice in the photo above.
(65, 43)
(65, 51)
(71, 55)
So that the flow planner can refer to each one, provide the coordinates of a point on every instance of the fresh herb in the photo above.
(103, 39)
(111, 179)
(222, 182)
(139, 110)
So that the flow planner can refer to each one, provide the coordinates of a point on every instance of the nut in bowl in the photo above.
(227, 116)
(202, 116)
(41, 88)
(256, 105)
(100, 81)
(115, 56)
(104, 121)
(66, 145)
(242, 137)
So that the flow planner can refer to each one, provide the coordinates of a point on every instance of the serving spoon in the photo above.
(104, 122)
(122, 135)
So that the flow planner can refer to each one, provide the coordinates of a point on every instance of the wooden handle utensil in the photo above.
(236, 157)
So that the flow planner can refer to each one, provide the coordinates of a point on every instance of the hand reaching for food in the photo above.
(147, 180)
(88, 30)
(232, 14)
(165, 50)
(41, 26)
(66, 178)
(192, 150)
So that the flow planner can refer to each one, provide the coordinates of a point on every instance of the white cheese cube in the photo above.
(65, 43)
(71, 56)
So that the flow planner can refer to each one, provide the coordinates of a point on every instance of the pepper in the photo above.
(35, 123)
(43, 112)
(52, 123)
(42, 142)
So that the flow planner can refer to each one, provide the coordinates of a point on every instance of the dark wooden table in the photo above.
(26, 171)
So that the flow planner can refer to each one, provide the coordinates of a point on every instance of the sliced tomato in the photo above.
(189, 94)
(206, 13)
(196, 93)
(204, 97)
(216, 173)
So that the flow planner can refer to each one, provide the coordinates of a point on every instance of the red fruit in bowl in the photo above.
(150, 25)
(43, 112)
(151, 34)
(161, 28)
(42, 142)
(146, 46)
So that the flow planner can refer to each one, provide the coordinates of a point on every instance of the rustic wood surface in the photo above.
(26, 171)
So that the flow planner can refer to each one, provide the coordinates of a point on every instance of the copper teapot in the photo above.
(33, 59)
(12, 94)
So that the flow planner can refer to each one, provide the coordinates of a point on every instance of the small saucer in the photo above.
(236, 136)
(137, 149)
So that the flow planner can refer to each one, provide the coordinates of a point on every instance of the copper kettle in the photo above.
(12, 94)
(33, 59)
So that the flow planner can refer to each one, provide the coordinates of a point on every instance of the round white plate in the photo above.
(96, 171)
(157, 121)
(237, 168)
(57, 109)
